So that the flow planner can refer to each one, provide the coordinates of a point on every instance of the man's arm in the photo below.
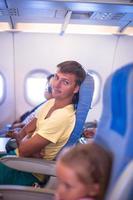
(28, 130)
(32, 146)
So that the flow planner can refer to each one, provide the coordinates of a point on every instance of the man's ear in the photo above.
(76, 89)
(93, 190)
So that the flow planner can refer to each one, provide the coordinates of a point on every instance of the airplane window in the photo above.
(97, 84)
(2, 83)
(35, 85)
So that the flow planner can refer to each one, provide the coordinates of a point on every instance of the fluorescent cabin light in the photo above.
(4, 26)
(128, 31)
(71, 28)
(91, 29)
(39, 27)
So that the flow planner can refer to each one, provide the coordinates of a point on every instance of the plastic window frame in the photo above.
(2, 98)
(97, 86)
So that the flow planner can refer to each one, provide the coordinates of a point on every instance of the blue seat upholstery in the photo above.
(115, 129)
(123, 189)
(84, 104)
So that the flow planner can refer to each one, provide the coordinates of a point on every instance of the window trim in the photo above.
(4, 88)
(95, 101)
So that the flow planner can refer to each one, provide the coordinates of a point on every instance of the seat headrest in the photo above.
(84, 104)
(117, 104)
(115, 127)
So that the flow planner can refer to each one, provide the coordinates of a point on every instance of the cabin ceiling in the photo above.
(94, 12)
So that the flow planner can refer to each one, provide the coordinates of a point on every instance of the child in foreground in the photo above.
(83, 173)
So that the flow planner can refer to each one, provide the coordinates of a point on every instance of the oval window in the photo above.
(35, 84)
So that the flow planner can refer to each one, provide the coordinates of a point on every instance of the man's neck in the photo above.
(62, 103)
(57, 105)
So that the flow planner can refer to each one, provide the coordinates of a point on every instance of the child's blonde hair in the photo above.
(92, 164)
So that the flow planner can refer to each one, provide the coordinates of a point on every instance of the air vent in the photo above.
(59, 14)
(118, 16)
(9, 12)
(81, 15)
(107, 16)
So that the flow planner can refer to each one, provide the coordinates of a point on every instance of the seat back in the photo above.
(116, 124)
(84, 104)
(123, 189)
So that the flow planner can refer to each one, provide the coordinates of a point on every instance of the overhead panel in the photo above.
(97, 12)
(9, 12)
(3, 16)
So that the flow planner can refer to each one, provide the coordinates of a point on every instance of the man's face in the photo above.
(64, 85)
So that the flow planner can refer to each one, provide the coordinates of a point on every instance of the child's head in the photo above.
(83, 172)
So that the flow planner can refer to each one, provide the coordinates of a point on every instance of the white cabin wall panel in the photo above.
(124, 53)
(103, 54)
(47, 50)
(7, 109)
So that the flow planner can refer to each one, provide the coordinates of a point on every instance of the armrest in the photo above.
(9, 192)
(33, 165)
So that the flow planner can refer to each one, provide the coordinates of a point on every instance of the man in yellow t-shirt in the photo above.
(49, 131)
(56, 128)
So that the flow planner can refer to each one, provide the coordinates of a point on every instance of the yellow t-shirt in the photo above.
(56, 128)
